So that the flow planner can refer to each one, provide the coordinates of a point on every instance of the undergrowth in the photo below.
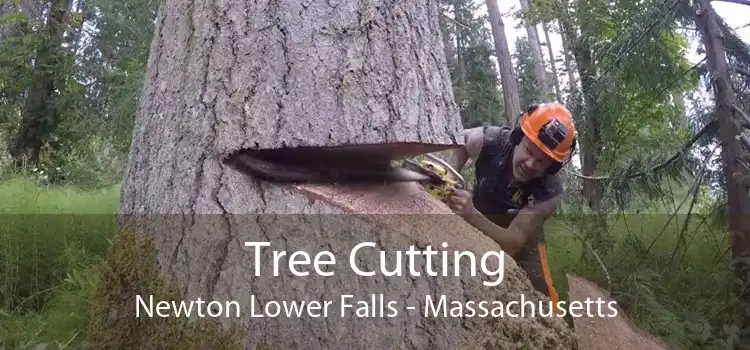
(50, 241)
(50, 267)
(672, 279)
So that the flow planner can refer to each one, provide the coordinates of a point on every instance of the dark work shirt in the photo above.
(493, 194)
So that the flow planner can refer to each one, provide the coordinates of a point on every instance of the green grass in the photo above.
(51, 239)
(681, 295)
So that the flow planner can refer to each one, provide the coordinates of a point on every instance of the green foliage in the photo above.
(528, 89)
(47, 257)
(475, 79)
(483, 104)
(116, 63)
(97, 82)
(60, 277)
(668, 273)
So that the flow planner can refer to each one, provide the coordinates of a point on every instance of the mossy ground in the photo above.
(131, 269)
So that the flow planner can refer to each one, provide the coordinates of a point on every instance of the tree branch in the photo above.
(454, 21)
(708, 128)
(741, 2)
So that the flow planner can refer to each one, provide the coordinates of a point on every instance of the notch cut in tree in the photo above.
(270, 77)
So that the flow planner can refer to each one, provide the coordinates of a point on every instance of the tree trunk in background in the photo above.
(738, 201)
(508, 79)
(460, 71)
(553, 64)
(540, 71)
(296, 74)
(589, 132)
(37, 121)
(572, 81)
(447, 42)
(679, 101)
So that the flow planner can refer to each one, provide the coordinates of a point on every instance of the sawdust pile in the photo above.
(403, 212)
(611, 333)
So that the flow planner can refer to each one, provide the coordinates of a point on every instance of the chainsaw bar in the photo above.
(323, 168)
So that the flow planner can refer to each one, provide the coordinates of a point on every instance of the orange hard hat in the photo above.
(550, 127)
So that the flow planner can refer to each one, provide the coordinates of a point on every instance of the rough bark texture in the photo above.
(512, 101)
(211, 263)
(610, 333)
(243, 75)
(738, 200)
(238, 74)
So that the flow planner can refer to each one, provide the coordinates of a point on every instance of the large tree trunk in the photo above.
(508, 79)
(302, 75)
(738, 201)
(540, 72)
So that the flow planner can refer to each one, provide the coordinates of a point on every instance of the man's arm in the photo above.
(528, 222)
(510, 241)
(473, 141)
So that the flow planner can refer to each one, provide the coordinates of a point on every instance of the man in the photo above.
(517, 184)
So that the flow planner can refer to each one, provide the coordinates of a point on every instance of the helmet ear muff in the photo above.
(516, 135)
(557, 166)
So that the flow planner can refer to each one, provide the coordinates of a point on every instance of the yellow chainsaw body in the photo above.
(444, 190)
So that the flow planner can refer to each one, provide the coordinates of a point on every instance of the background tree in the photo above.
(530, 91)
(502, 53)
(475, 83)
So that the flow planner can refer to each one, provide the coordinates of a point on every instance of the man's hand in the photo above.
(460, 202)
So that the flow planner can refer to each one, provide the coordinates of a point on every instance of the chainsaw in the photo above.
(326, 165)
(444, 179)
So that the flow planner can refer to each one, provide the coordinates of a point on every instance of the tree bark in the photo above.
(508, 79)
(307, 74)
(738, 201)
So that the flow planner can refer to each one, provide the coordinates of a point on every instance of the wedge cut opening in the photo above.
(345, 164)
